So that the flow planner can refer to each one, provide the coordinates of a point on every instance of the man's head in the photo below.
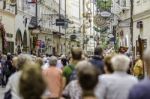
(120, 63)
(76, 53)
(53, 61)
(87, 76)
(98, 51)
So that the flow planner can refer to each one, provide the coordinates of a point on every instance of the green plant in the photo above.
(104, 4)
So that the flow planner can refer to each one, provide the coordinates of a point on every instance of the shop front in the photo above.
(58, 43)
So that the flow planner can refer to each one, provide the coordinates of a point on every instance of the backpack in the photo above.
(73, 75)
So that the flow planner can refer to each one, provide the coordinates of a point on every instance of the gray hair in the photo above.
(85, 66)
(22, 59)
(120, 63)
(53, 61)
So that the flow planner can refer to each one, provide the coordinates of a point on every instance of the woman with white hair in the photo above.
(118, 84)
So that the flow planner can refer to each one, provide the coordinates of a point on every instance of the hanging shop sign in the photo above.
(99, 20)
(60, 22)
(73, 37)
(31, 1)
(105, 14)
(139, 24)
(110, 35)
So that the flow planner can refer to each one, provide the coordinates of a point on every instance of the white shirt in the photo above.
(13, 85)
(115, 86)
(45, 66)
(59, 64)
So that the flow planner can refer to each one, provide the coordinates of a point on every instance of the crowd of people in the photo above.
(76, 76)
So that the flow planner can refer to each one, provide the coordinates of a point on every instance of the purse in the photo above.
(8, 95)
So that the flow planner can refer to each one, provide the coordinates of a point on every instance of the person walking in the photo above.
(84, 87)
(108, 65)
(138, 68)
(54, 80)
(13, 82)
(142, 89)
(97, 59)
(3, 61)
(69, 72)
(8, 67)
(28, 89)
(118, 84)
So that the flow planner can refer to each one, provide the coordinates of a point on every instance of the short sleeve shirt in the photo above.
(68, 71)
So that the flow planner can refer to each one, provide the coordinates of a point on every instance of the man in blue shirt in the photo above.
(97, 59)
(142, 90)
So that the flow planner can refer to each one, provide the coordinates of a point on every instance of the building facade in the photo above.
(47, 37)
(121, 22)
(7, 21)
(141, 27)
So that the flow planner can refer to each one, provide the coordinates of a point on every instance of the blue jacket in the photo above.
(141, 90)
(97, 61)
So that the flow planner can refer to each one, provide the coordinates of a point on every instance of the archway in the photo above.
(25, 41)
(18, 41)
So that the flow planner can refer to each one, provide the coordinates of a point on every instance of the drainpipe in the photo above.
(83, 23)
(65, 24)
(59, 26)
(131, 24)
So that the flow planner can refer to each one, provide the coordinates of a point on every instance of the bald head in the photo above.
(76, 53)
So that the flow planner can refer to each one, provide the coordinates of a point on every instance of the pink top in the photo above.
(54, 81)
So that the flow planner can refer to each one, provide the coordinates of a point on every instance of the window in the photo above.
(124, 3)
(20, 3)
(10, 48)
